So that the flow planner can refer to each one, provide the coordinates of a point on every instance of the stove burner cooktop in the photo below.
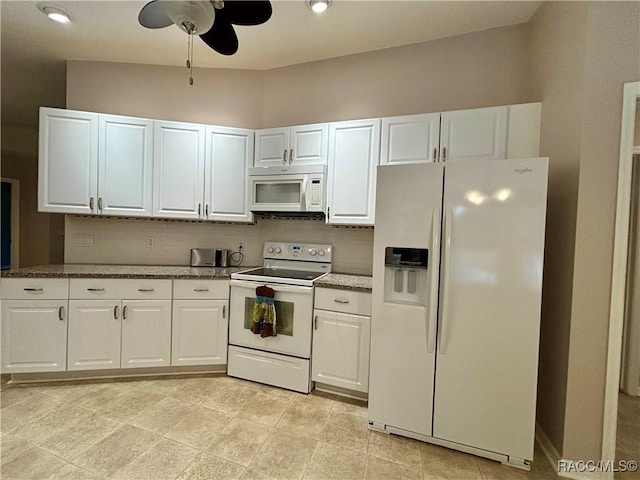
(283, 273)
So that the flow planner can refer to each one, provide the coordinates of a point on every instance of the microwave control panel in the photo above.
(315, 193)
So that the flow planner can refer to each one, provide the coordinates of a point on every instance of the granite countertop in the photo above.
(359, 283)
(121, 271)
(341, 281)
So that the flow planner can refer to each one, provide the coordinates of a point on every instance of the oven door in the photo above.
(294, 311)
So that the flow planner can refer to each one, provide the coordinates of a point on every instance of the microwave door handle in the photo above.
(303, 197)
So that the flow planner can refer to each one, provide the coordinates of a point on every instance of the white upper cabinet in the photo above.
(125, 162)
(68, 162)
(479, 133)
(94, 164)
(179, 158)
(354, 153)
(229, 153)
(410, 139)
(289, 146)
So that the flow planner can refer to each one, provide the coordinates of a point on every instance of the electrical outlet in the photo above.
(150, 242)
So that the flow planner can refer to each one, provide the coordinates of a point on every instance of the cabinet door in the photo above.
(341, 350)
(178, 170)
(479, 133)
(34, 336)
(354, 153)
(125, 166)
(410, 139)
(229, 155)
(94, 334)
(199, 332)
(68, 161)
(272, 147)
(146, 333)
(309, 144)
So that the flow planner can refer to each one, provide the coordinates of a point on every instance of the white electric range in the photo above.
(283, 360)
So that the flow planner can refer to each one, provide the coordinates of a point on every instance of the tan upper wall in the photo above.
(475, 70)
(558, 32)
(467, 71)
(218, 96)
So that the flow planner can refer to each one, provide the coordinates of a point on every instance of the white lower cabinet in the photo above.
(34, 325)
(95, 332)
(119, 324)
(200, 322)
(341, 336)
(146, 333)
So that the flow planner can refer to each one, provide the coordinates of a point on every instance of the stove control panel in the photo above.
(310, 252)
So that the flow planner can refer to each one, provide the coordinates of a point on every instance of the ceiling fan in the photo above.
(212, 20)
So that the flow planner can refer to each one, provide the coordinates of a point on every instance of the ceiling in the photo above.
(34, 49)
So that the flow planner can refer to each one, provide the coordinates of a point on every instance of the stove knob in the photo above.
(270, 249)
(278, 249)
(321, 253)
(313, 252)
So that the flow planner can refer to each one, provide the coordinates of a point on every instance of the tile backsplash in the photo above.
(104, 240)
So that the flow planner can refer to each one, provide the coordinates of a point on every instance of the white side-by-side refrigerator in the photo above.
(457, 285)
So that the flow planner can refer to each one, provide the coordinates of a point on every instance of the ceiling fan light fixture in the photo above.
(193, 17)
(318, 6)
(54, 12)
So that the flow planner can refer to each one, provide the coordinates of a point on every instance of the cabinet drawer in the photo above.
(36, 288)
(114, 288)
(201, 289)
(346, 301)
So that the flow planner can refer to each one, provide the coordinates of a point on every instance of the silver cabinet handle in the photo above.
(290, 156)
(199, 209)
(200, 289)
(341, 300)
(284, 157)
(206, 210)
(91, 204)
(32, 289)
(95, 289)
(315, 322)
(124, 312)
(444, 153)
(61, 313)
(115, 312)
(224, 311)
(145, 289)
(100, 204)
(435, 154)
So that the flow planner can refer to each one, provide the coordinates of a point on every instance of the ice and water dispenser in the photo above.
(406, 275)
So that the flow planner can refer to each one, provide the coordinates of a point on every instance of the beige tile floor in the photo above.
(212, 427)
(628, 434)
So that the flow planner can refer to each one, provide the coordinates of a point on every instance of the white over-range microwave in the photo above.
(288, 192)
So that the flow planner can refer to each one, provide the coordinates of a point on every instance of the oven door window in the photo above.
(284, 316)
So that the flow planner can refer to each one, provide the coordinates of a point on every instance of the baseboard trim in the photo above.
(554, 458)
(114, 374)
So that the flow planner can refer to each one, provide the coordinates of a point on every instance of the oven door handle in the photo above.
(276, 287)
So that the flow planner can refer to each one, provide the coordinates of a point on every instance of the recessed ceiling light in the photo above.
(54, 12)
(318, 6)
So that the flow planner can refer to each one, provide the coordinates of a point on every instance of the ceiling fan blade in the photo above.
(247, 12)
(221, 37)
(153, 15)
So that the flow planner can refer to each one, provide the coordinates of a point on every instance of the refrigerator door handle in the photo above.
(433, 301)
(444, 288)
